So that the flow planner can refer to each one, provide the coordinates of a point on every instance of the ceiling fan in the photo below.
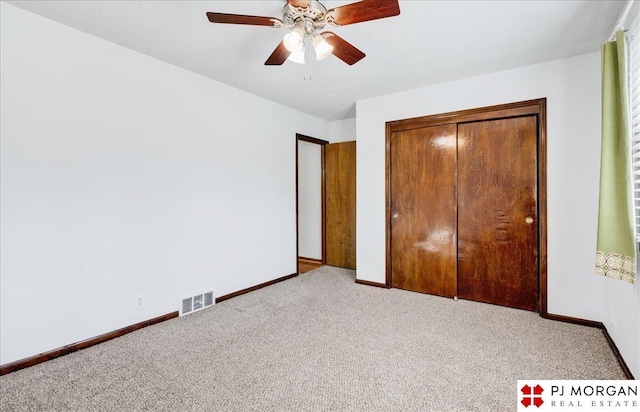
(306, 18)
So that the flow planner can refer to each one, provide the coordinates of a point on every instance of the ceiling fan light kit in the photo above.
(322, 48)
(305, 18)
(297, 56)
(294, 40)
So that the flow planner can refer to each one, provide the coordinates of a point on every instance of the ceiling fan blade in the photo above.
(279, 55)
(342, 49)
(299, 3)
(242, 19)
(364, 10)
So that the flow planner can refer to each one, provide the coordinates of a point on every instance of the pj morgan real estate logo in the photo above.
(578, 395)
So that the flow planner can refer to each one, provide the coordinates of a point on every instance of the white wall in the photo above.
(342, 130)
(572, 89)
(123, 175)
(309, 200)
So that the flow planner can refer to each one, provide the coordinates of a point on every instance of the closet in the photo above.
(466, 213)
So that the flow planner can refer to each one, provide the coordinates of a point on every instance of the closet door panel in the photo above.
(497, 212)
(423, 209)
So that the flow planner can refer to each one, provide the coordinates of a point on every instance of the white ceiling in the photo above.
(429, 42)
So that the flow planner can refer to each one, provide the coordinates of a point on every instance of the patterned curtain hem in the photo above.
(614, 265)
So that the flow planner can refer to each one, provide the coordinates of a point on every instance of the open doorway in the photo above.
(310, 203)
(325, 203)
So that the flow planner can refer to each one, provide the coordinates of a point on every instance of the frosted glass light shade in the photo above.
(322, 48)
(294, 40)
(297, 56)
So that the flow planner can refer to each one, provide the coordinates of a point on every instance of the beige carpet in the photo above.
(319, 342)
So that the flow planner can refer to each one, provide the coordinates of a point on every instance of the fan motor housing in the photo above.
(313, 16)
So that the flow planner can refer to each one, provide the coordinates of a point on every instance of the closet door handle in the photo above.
(395, 215)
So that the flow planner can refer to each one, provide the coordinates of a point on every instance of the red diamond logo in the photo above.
(532, 396)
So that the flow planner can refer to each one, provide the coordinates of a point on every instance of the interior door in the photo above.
(497, 212)
(340, 204)
(423, 209)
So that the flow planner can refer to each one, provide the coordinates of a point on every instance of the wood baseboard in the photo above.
(599, 325)
(55, 353)
(369, 283)
(310, 260)
(616, 352)
(576, 321)
(252, 288)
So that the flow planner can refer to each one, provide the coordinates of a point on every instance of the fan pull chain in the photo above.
(308, 62)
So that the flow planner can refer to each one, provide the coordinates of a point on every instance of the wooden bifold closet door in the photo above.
(463, 207)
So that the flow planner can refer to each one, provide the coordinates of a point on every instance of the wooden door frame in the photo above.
(537, 107)
(322, 143)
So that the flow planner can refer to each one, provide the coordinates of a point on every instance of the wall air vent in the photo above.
(198, 302)
(195, 303)
(208, 299)
(187, 306)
